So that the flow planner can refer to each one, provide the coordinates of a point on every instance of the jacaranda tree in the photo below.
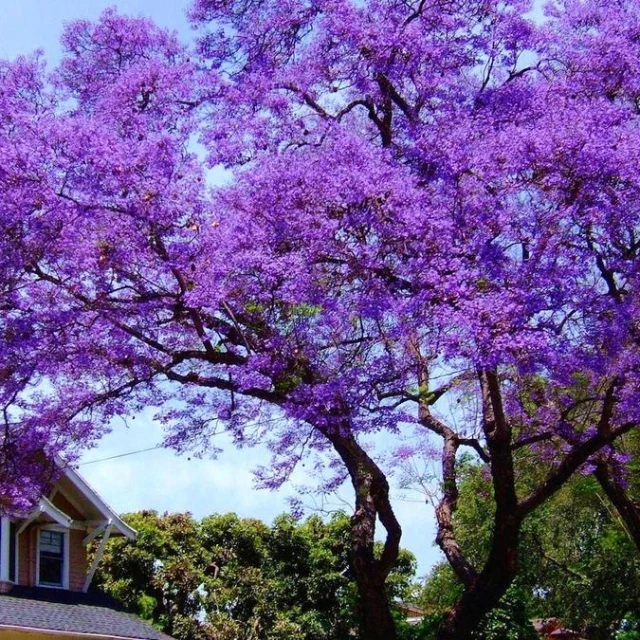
(432, 228)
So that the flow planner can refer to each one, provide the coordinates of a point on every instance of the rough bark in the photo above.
(372, 502)
(445, 537)
(375, 610)
(483, 592)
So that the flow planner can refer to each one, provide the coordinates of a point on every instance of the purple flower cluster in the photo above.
(433, 224)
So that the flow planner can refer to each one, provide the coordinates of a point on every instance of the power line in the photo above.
(161, 446)
(120, 455)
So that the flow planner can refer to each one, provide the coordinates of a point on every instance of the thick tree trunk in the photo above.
(485, 592)
(377, 621)
(372, 503)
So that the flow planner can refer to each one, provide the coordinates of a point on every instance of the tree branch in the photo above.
(571, 463)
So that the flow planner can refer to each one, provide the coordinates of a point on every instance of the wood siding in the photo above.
(27, 557)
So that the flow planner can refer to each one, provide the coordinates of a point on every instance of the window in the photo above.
(51, 558)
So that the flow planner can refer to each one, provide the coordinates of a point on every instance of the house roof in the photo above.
(81, 614)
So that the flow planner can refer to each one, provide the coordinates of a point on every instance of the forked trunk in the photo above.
(479, 599)
(484, 590)
(372, 504)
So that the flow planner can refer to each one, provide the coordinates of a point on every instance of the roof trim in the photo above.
(61, 632)
(59, 516)
(91, 494)
(47, 508)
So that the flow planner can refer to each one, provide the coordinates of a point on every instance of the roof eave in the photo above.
(91, 494)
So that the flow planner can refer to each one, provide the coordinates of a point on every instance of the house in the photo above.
(413, 614)
(45, 576)
(552, 629)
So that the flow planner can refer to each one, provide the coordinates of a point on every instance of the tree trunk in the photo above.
(372, 503)
(482, 595)
(375, 610)
(484, 590)
(617, 494)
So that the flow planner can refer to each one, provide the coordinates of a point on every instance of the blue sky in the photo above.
(158, 479)
(26, 25)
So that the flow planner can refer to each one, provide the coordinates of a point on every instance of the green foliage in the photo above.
(441, 590)
(231, 578)
(509, 620)
(577, 562)
(629, 628)
(159, 576)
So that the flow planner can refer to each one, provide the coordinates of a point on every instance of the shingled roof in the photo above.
(38, 609)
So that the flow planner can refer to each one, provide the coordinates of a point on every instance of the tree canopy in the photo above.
(579, 562)
(432, 227)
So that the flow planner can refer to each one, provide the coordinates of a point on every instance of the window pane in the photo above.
(51, 571)
(51, 542)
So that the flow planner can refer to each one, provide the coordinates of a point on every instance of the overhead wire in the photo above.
(161, 446)
(120, 455)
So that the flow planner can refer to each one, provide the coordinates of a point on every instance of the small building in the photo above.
(413, 614)
(45, 576)
(552, 629)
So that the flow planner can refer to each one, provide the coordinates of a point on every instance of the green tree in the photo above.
(234, 578)
(159, 576)
(578, 561)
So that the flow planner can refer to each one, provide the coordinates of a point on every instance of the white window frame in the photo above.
(65, 556)
(17, 553)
